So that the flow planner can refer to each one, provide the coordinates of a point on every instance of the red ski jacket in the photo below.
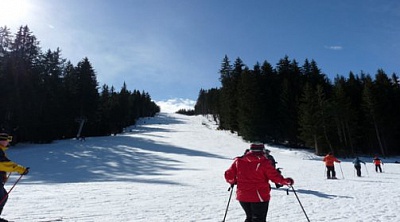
(329, 159)
(377, 161)
(252, 173)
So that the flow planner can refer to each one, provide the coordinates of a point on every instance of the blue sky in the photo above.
(173, 48)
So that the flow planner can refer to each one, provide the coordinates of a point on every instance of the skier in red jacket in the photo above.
(252, 173)
(377, 162)
(330, 160)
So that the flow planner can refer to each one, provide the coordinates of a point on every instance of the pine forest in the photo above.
(45, 97)
(298, 106)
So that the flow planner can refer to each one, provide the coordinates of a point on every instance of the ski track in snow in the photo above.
(170, 168)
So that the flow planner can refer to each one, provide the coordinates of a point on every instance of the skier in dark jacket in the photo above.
(270, 157)
(7, 165)
(252, 173)
(357, 165)
(273, 162)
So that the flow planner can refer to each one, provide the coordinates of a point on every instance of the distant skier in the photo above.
(377, 162)
(270, 157)
(357, 165)
(329, 160)
(273, 162)
(252, 173)
(7, 166)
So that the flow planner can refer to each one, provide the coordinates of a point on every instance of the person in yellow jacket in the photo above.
(7, 165)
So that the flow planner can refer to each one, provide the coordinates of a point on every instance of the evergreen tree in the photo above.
(125, 106)
(310, 119)
(5, 41)
(227, 92)
(104, 117)
(51, 95)
(371, 109)
(248, 107)
(5, 78)
(270, 102)
(325, 116)
(385, 108)
(291, 84)
(71, 99)
(393, 116)
(208, 102)
(23, 85)
(115, 118)
(344, 116)
(87, 92)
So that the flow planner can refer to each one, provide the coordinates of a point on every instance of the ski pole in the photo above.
(6, 195)
(301, 205)
(366, 169)
(229, 200)
(8, 176)
(340, 165)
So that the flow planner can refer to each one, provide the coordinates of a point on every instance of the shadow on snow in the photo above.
(117, 158)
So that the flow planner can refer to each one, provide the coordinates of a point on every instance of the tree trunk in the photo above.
(379, 139)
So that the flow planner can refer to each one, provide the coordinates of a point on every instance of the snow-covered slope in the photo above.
(170, 168)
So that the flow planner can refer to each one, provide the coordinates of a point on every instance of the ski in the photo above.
(44, 220)
(51, 220)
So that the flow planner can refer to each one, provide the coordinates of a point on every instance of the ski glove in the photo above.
(289, 181)
(26, 171)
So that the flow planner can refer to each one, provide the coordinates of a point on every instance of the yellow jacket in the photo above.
(7, 165)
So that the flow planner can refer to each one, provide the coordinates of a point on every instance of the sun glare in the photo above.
(13, 11)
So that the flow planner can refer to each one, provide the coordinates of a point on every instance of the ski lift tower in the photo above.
(81, 120)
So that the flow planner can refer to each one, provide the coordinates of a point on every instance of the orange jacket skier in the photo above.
(329, 160)
(377, 163)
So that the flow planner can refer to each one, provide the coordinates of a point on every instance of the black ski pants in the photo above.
(358, 169)
(330, 172)
(378, 167)
(255, 212)
(3, 197)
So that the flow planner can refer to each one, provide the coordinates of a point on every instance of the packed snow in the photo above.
(170, 168)
(176, 104)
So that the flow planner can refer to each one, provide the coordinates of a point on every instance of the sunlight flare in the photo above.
(13, 10)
